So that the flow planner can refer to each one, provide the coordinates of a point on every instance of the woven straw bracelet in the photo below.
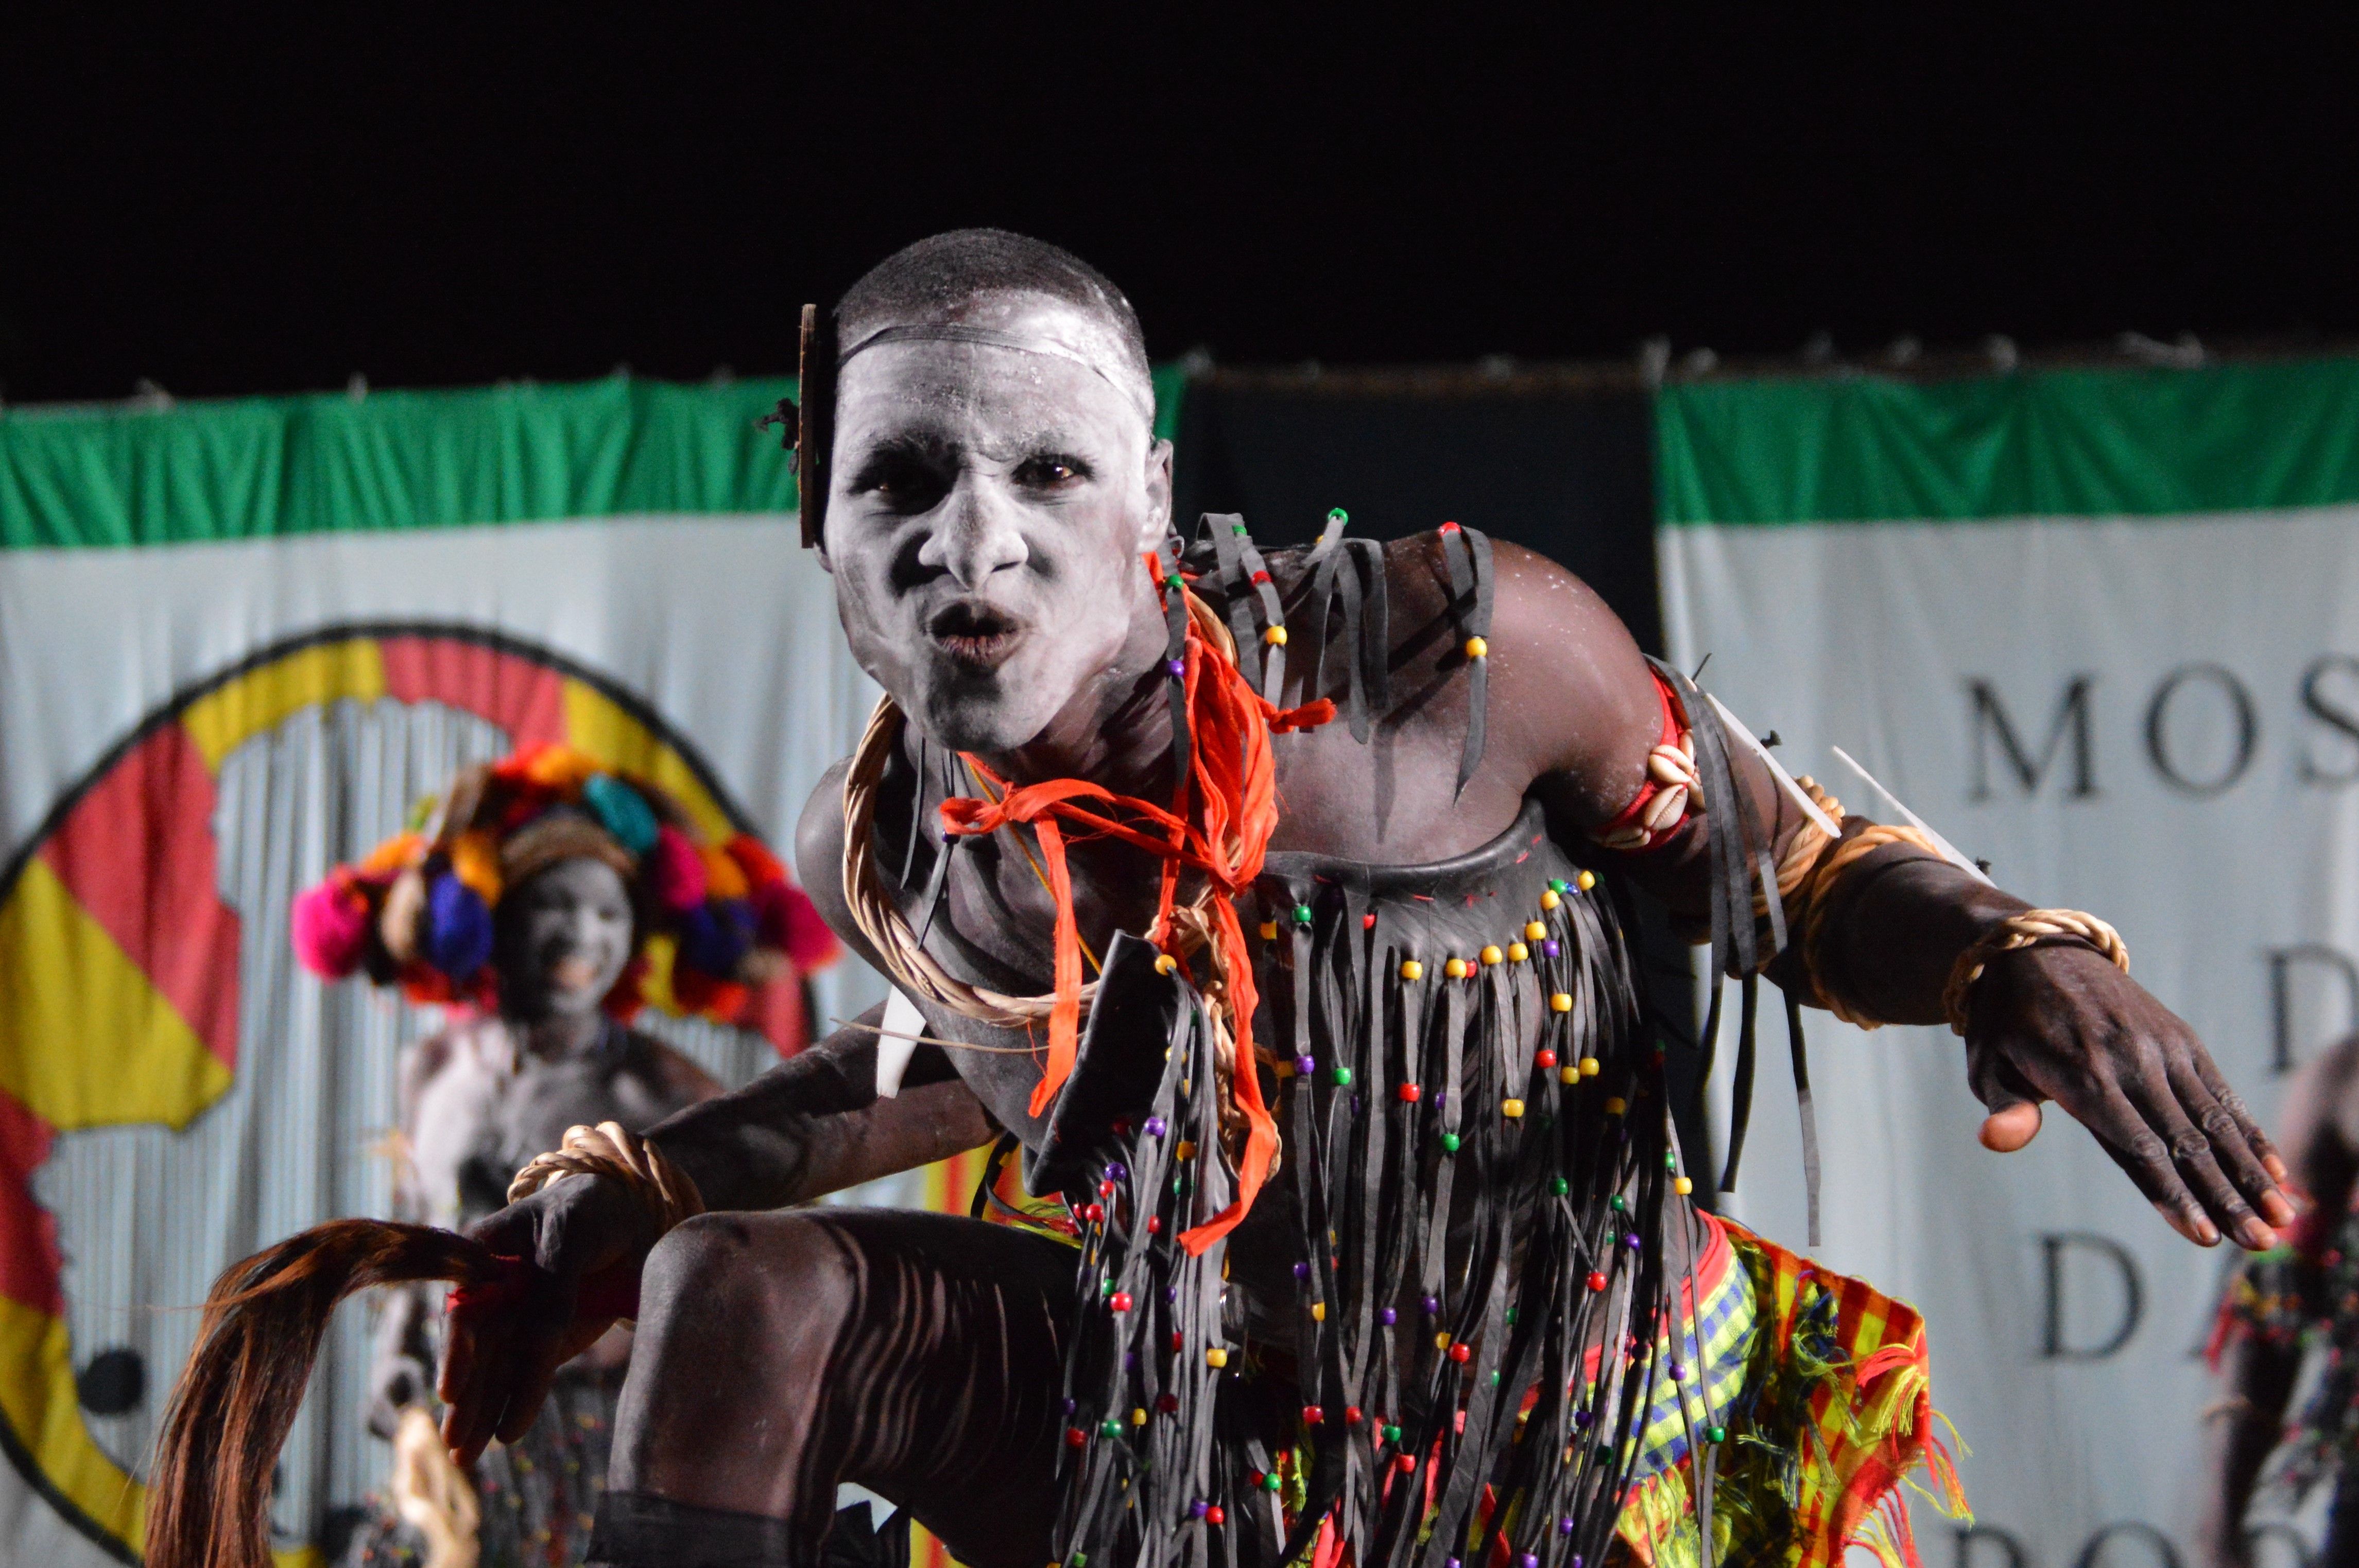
(2032, 928)
(607, 1149)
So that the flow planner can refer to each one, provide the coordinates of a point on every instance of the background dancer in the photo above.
(538, 894)
(2284, 1304)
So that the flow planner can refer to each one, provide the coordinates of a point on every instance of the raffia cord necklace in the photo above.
(1225, 810)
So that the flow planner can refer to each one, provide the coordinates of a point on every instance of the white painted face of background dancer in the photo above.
(988, 514)
(562, 938)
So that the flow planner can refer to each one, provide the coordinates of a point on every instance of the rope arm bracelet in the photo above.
(1814, 866)
(1809, 873)
(1810, 870)
(2030, 928)
(607, 1149)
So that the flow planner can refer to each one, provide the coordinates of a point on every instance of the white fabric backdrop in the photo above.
(1873, 637)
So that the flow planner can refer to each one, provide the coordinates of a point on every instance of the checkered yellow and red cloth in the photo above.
(1836, 1413)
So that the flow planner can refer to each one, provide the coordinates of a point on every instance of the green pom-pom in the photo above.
(1559, 1186)
(1303, 914)
(1715, 1434)
(1392, 1434)
(1617, 1202)
(1110, 1427)
(1342, 1076)
(1449, 1143)
(1270, 1483)
(621, 810)
(1337, 516)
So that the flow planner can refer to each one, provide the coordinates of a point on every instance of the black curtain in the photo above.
(1566, 470)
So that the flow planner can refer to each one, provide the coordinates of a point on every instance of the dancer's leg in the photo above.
(779, 1354)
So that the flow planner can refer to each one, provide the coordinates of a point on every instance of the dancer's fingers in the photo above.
(2145, 1157)
(2207, 1073)
(538, 1349)
(2233, 1154)
(2154, 1088)
(469, 1370)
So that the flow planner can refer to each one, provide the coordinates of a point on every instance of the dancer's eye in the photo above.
(1051, 471)
(903, 480)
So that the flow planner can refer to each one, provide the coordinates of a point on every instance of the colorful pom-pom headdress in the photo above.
(717, 924)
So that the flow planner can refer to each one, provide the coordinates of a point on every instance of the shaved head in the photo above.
(939, 276)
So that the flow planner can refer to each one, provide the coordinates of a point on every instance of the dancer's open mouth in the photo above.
(572, 974)
(976, 634)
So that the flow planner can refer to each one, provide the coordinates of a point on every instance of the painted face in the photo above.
(562, 937)
(988, 510)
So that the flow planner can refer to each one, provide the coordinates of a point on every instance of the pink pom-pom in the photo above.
(675, 871)
(328, 925)
(789, 921)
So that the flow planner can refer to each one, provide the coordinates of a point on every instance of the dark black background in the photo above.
(240, 202)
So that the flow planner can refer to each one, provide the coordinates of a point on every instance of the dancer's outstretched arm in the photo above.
(2059, 1022)
(814, 1125)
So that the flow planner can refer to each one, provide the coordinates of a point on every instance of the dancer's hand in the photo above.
(2062, 1023)
(499, 1361)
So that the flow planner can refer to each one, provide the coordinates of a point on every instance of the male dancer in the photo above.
(988, 486)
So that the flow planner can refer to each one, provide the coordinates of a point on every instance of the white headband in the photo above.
(990, 337)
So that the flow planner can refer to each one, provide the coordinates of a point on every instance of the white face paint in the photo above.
(988, 511)
(563, 936)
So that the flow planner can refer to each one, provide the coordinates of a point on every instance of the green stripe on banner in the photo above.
(265, 467)
(2036, 444)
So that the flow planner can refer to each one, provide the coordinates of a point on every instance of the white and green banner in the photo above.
(237, 642)
(2100, 627)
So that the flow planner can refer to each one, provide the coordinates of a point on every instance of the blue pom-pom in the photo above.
(458, 935)
(621, 810)
(716, 935)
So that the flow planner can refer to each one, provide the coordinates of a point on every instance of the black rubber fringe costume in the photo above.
(1481, 1172)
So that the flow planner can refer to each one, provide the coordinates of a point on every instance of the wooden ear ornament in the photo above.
(815, 431)
(805, 427)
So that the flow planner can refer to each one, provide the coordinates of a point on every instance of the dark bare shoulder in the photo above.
(818, 850)
(1570, 709)
(1570, 699)
(1572, 691)
(819, 861)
